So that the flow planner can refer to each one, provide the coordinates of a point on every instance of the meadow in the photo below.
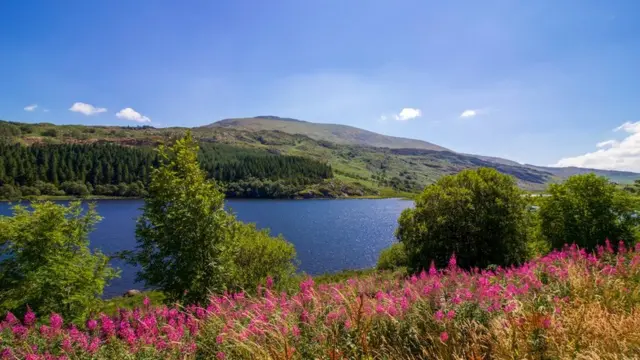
(566, 304)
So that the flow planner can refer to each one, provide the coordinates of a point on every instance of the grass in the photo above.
(567, 304)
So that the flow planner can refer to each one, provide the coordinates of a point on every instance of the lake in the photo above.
(329, 235)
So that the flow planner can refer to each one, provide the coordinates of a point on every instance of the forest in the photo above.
(115, 170)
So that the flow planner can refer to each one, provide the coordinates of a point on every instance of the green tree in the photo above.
(184, 230)
(480, 215)
(587, 210)
(46, 261)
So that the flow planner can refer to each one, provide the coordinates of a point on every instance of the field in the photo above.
(568, 304)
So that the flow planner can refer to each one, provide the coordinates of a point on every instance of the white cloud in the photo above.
(607, 143)
(408, 114)
(86, 109)
(31, 107)
(612, 154)
(469, 113)
(130, 114)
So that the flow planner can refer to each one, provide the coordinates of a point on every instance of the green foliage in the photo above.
(75, 188)
(393, 257)
(51, 132)
(257, 255)
(587, 210)
(9, 192)
(46, 261)
(479, 215)
(183, 231)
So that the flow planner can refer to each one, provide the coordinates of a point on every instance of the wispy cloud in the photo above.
(612, 154)
(31, 107)
(86, 109)
(469, 113)
(132, 115)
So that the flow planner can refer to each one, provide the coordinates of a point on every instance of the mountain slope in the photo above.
(335, 133)
(377, 170)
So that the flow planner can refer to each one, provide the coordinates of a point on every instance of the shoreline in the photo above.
(102, 197)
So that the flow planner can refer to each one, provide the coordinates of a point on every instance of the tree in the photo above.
(46, 262)
(587, 210)
(184, 230)
(478, 215)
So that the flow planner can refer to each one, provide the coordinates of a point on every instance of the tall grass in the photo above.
(568, 304)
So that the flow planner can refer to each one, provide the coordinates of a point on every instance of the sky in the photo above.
(545, 82)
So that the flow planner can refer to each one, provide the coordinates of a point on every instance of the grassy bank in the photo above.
(567, 304)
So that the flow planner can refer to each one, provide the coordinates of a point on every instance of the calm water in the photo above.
(329, 235)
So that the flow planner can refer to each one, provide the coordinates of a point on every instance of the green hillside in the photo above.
(356, 169)
(335, 133)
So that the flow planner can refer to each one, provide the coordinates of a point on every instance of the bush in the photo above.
(50, 132)
(29, 191)
(393, 257)
(46, 262)
(47, 188)
(106, 190)
(75, 188)
(478, 215)
(9, 192)
(257, 255)
(587, 210)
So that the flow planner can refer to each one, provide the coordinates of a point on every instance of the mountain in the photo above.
(386, 170)
(335, 133)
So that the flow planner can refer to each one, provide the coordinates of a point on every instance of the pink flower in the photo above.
(6, 354)
(444, 336)
(452, 261)
(439, 315)
(55, 321)
(269, 282)
(220, 355)
(11, 319)
(19, 331)
(451, 314)
(295, 330)
(29, 317)
(146, 302)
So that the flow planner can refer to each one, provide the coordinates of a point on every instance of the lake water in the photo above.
(329, 235)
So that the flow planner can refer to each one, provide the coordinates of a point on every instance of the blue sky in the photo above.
(539, 82)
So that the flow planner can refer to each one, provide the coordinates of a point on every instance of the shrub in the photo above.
(47, 188)
(29, 191)
(50, 132)
(393, 257)
(587, 210)
(258, 256)
(46, 262)
(75, 188)
(479, 215)
(9, 192)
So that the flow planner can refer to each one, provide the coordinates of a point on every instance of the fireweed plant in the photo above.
(567, 304)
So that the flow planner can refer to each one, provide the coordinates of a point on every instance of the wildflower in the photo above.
(452, 261)
(295, 330)
(11, 319)
(220, 355)
(269, 282)
(92, 324)
(451, 314)
(146, 302)
(439, 315)
(29, 317)
(19, 331)
(432, 269)
(6, 354)
(444, 336)
(55, 321)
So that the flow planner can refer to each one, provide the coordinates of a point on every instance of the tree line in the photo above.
(109, 169)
